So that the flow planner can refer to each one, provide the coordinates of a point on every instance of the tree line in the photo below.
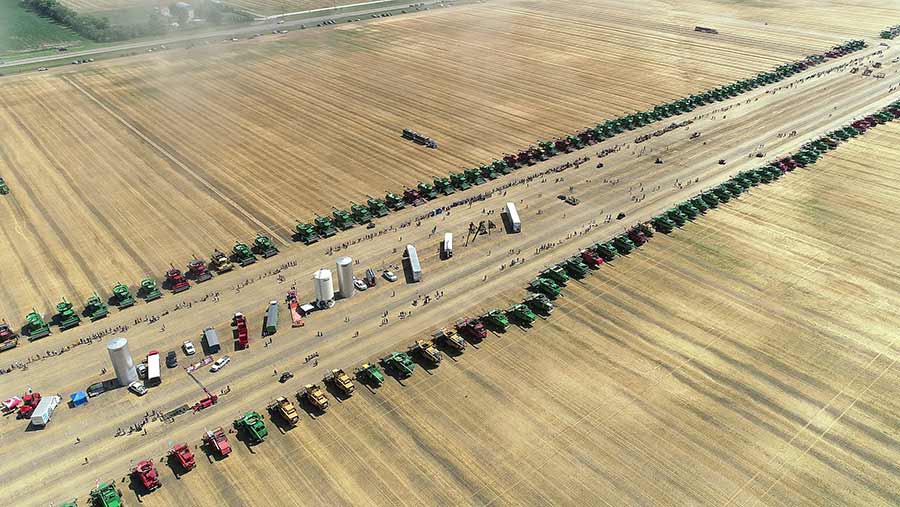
(95, 28)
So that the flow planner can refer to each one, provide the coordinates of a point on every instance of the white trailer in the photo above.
(447, 245)
(414, 267)
(212, 340)
(44, 410)
(514, 223)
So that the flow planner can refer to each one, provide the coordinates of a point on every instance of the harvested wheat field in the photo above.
(121, 169)
(747, 359)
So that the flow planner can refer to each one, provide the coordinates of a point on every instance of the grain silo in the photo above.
(345, 276)
(324, 288)
(122, 362)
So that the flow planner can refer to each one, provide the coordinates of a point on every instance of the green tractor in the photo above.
(394, 201)
(95, 309)
(545, 286)
(555, 273)
(575, 267)
(253, 424)
(496, 319)
(66, 317)
(522, 314)
(539, 303)
(473, 176)
(459, 181)
(264, 246)
(688, 210)
(242, 254)
(106, 495)
(360, 213)
(606, 251)
(342, 219)
(622, 244)
(377, 207)
(444, 186)
(500, 166)
(676, 216)
(400, 362)
(426, 191)
(698, 203)
(710, 198)
(370, 374)
(663, 224)
(306, 233)
(35, 327)
(4, 189)
(149, 290)
(122, 297)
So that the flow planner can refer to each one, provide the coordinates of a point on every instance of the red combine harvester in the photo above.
(218, 441)
(636, 235)
(411, 196)
(239, 322)
(294, 305)
(510, 160)
(29, 403)
(6, 332)
(176, 281)
(184, 456)
(591, 258)
(198, 271)
(471, 328)
(146, 474)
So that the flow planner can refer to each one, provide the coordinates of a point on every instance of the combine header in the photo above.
(377, 207)
(197, 271)
(220, 262)
(402, 365)
(122, 297)
(418, 138)
(182, 453)
(242, 254)
(66, 317)
(370, 373)
(522, 314)
(342, 219)
(149, 290)
(284, 408)
(539, 303)
(145, 474)
(218, 440)
(264, 246)
(253, 424)
(472, 328)
(306, 233)
(341, 381)
(106, 495)
(324, 227)
(428, 352)
(497, 319)
(95, 309)
(315, 396)
(176, 281)
(450, 338)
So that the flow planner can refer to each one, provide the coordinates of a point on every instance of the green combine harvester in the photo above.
(623, 244)
(73, 503)
(342, 219)
(501, 167)
(555, 273)
(426, 191)
(473, 176)
(444, 186)
(306, 233)
(242, 254)
(575, 267)
(66, 316)
(688, 210)
(676, 216)
(545, 286)
(264, 246)
(377, 207)
(487, 172)
(496, 319)
(400, 362)
(149, 290)
(253, 424)
(35, 327)
(539, 303)
(663, 224)
(459, 181)
(548, 149)
(606, 251)
(734, 187)
(95, 309)
(722, 194)
(698, 203)
(324, 227)
(370, 373)
(122, 297)
(360, 213)
(106, 495)
(4, 189)
(710, 198)
(522, 314)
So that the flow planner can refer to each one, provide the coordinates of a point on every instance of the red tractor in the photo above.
(29, 403)
(145, 473)
(240, 325)
(591, 258)
(217, 440)
(176, 281)
(197, 271)
(471, 328)
(185, 457)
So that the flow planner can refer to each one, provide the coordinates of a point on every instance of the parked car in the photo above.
(96, 389)
(389, 276)
(220, 363)
(141, 371)
(137, 388)
(188, 347)
(171, 359)
(359, 284)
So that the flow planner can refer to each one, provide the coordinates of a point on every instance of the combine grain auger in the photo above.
(540, 303)
(400, 363)
(545, 286)
(360, 214)
(306, 233)
(122, 297)
(444, 186)
(66, 317)
(197, 271)
(342, 219)
(253, 424)
(242, 254)
(324, 227)
(95, 309)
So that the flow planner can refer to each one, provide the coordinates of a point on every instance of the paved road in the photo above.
(730, 130)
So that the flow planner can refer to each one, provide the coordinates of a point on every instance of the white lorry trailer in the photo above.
(515, 225)
(414, 267)
(447, 245)
(44, 411)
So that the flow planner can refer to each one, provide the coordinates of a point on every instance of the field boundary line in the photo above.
(171, 158)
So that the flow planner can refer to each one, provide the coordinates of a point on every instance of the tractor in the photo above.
(663, 224)
(264, 246)
(377, 207)
(219, 261)
(402, 365)
(369, 373)
(148, 290)
(606, 251)
(66, 317)
(35, 327)
(185, 457)
(555, 273)
(122, 297)
(688, 210)
(471, 328)
(242, 254)
(106, 495)
(444, 186)
(306, 233)
(426, 191)
(284, 408)
(342, 219)
(675, 215)
(253, 424)
(394, 201)
(324, 227)
(341, 381)
(197, 271)
(545, 286)
(591, 258)
(459, 181)
(427, 351)
(623, 245)
(539, 303)
(496, 319)
(95, 309)
(575, 268)
(522, 314)
(145, 474)
(450, 338)
(176, 281)
(473, 176)
(360, 213)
